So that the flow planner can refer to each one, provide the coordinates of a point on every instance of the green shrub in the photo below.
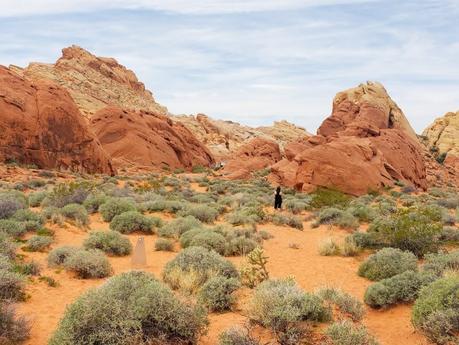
(204, 213)
(441, 295)
(94, 201)
(439, 263)
(5, 263)
(178, 226)
(217, 293)
(36, 198)
(240, 245)
(346, 303)
(26, 215)
(296, 206)
(449, 234)
(7, 247)
(131, 221)
(38, 243)
(88, 264)
(236, 336)
(364, 213)
(441, 326)
(194, 266)
(335, 216)
(282, 305)
(76, 213)
(116, 206)
(403, 287)
(11, 286)
(164, 244)
(66, 193)
(289, 220)
(329, 247)
(324, 197)
(10, 203)
(131, 308)
(387, 263)
(110, 242)
(346, 333)
(208, 239)
(59, 256)
(350, 247)
(12, 227)
(13, 329)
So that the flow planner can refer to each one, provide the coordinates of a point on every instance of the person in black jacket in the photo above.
(278, 199)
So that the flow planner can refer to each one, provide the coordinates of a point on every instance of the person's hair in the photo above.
(278, 189)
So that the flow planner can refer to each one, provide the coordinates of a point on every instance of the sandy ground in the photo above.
(46, 305)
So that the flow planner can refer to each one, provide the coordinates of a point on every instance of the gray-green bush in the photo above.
(110, 242)
(116, 206)
(131, 221)
(88, 264)
(217, 293)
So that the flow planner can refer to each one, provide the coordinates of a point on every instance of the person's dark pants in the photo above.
(277, 203)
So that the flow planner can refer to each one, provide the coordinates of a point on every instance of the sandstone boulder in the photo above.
(41, 125)
(147, 139)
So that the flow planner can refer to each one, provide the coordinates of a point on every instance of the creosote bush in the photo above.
(387, 263)
(346, 333)
(77, 213)
(323, 197)
(204, 213)
(131, 308)
(237, 336)
(287, 219)
(164, 244)
(11, 286)
(13, 329)
(38, 243)
(131, 221)
(346, 303)
(88, 264)
(59, 256)
(110, 242)
(116, 206)
(178, 226)
(12, 228)
(217, 293)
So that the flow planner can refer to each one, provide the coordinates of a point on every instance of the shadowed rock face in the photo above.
(364, 145)
(41, 125)
(146, 139)
(94, 82)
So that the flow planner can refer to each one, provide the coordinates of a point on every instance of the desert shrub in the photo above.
(350, 247)
(76, 213)
(236, 336)
(204, 213)
(441, 326)
(239, 245)
(217, 293)
(441, 295)
(5, 263)
(116, 206)
(131, 221)
(88, 264)
(282, 305)
(439, 263)
(448, 234)
(387, 263)
(242, 217)
(11, 286)
(93, 202)
(346, 303)
(131, 308)
(194, 266)
(7, 247)
(28, 268)
(12, 227)
(38, 243)
(172, 206)
(110, 242)
(324, 197)
(164, 244)
(13, 329)
(74, 192)
(254, 271)
(36, 198)
(335, 216)
(187, 237)
(265, 235)
(296, 206)
(9, 204)
(289, 220)
(414, 229)
(363, 212)
(346, 333)
(402, 287)
(59, 256)
(208, 239)
(35, 220)
(179, 226)
(329, 247)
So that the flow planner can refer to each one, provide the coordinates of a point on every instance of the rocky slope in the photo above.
(94, 82)
(146, 139)
(41, 125)
(223, 138)
(366, 144)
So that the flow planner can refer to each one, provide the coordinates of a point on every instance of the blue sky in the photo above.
(255, 61)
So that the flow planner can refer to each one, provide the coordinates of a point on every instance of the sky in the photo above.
(255, 61)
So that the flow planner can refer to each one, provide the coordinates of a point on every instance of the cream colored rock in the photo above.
(443, 134)
(94, 82)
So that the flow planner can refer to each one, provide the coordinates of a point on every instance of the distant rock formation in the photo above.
(223, 138)
(94, 82)
(366, 144)
(41, 125)
(147, 139)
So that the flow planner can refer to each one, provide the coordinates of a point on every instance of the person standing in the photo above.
(278, 199)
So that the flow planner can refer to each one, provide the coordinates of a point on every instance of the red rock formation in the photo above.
(365, 144)
(143, 138)
(255, 155)
(41, 125)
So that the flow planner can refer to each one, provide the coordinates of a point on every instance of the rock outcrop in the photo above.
(256, 154)
(94, 82)
(147, 139)
(41, 125)
(366, 144)
(224, 138)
